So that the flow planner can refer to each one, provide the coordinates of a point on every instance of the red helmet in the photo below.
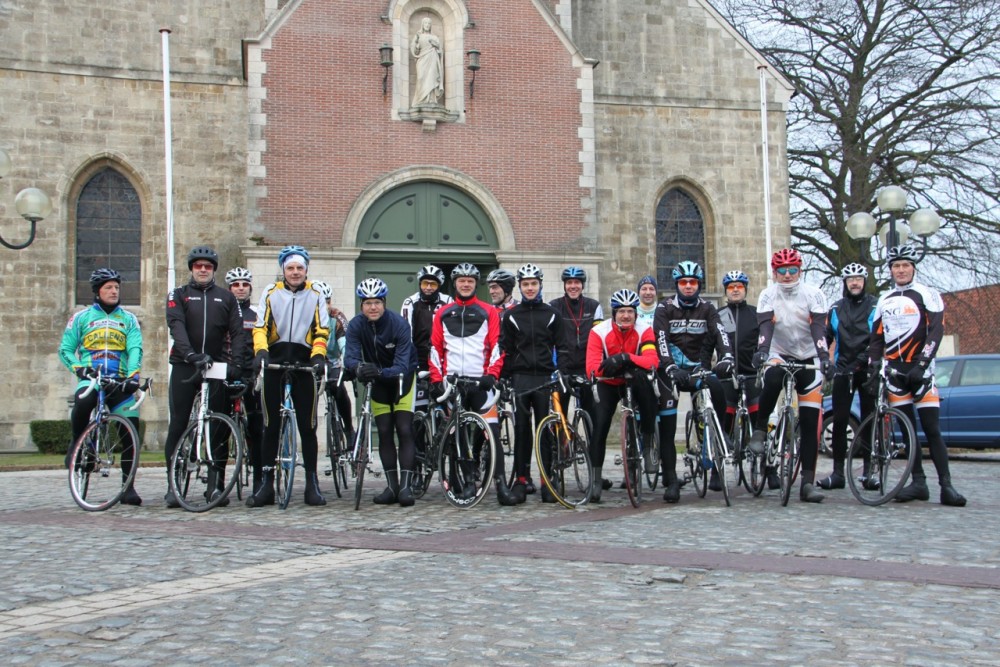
(786, 257)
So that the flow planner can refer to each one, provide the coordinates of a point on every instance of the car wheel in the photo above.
(826, 435)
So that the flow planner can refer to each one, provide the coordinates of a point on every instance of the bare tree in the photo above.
(889, 92)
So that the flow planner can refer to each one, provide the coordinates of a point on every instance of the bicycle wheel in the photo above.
(506, 423)
(881, 457)
(424, 463)
(284, 465)
(632, 460)
(97, 467)
(721, 461)
(359, 459)
(466, 462)
(336, 445)
(788, 455)
(584, 475)
(750, 472)
(198, 465)
(651, 460)
(244, 473)
(567, 473)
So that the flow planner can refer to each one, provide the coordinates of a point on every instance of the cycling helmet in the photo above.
(205, 253)
(688, 269)
(101, 276)
(786, 257)
(736, 276)
(502, 277)
(372, 288)
(901, 253)
(290, 250)
(432, 272)
(323, 288)
(529, 271)
(574, 273)
(624, 298)
(239, 274)
(854, 270)
(465, 270)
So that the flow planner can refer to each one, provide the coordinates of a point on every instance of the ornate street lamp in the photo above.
(892, 200)
(31, 203)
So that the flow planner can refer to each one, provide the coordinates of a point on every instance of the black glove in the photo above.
(871, 384)
(261, 360)
(759, 359)
(131, 385)
(611, 366)
(199, 361)
(487, 382)
(826, 367)
(318, 362)
(368, 372)
(724, 368)
(233, 373)
(679, 376)
(85, 372)
(915, 376)
(436, 390)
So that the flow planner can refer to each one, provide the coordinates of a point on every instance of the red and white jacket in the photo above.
(465, 340)
(607, 340)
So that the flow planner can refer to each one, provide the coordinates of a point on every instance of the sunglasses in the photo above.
(202, 266)
(428, 283)
(687, 282)
(787, 270)
(734, 286)
(239, 284)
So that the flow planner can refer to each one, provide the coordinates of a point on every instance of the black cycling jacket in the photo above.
(740, 322)
(529, 333)
(850, 325)
(207, 319)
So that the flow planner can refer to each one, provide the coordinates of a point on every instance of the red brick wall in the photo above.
(972, 316)
(329, 133)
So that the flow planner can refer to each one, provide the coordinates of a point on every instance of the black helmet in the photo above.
(205, 253)
(465, 270)
(504, 278)
(101, 276)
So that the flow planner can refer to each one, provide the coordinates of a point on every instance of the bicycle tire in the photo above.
(632, 460)
(652, 478)
(720, 461)
(787, 455)
(569, 475)
(245, 472)
(583, 428)
(284, 464)
(336, 446)
(506, 424)
(359, 458)
(466, 461)
(888, 459)
(746, 459)
(191, 475)
(96, 458)
(425, 462)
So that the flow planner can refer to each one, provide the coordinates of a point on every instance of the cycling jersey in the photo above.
(111, 341)
(506, 305)
(849, 325)
(292, 324)
(645, 316)
(206, 319)
(607, 339)
(385, 342)
(688, 336)
(908, 324)
(579, 316)
(740, 322)
(419, 314)
(792, 320)
(528, 334)
(465, 340)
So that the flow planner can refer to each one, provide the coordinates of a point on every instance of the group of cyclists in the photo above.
(652, 346)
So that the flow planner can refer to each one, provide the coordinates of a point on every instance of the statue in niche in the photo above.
(426, 51)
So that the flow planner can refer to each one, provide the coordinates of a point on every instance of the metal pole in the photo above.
(168, 156)
(762, 70)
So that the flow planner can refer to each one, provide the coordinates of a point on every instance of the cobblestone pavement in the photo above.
(690, 584)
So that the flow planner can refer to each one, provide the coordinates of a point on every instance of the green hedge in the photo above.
(53, 436)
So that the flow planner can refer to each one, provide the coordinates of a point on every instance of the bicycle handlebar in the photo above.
(452, 381)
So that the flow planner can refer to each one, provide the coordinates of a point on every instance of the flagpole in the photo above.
(168, 156)
(762, 70)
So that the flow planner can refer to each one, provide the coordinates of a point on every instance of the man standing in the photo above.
(501, 286)
(907, 331)
(739, 319)
(240, 282)
(206, 325)
(647, 300)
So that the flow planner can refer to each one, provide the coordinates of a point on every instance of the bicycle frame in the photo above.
(790, 461)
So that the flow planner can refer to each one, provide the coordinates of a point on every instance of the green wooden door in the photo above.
(423, 223)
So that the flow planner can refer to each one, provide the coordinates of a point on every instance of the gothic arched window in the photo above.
(108, 234)
(680, 234)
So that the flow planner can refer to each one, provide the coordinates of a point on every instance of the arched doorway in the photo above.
(419, 223)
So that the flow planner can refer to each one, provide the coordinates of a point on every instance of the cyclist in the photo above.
(335, 357)
(240, 282)
(206, 324)
(501, 286)
(465, 342)
(580, 314)
(617, 346)
(418, 310)
(739, 319)
(792, 318)
(108, 337)
(688, 330)
(529, 332)
(380, 350)
(646, 289)
(907, 331)
(292, 327)
(848, 329)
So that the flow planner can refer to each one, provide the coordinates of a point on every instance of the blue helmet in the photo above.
(289, 250)
(736, 276)
(688, 269)
(574, 273)
(624, 298)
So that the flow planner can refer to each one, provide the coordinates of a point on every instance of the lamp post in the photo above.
(892, 200)
(31, 203)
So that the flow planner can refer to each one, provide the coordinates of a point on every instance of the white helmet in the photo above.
(323, 289)
(238, 274)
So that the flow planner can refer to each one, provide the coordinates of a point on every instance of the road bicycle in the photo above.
(782, 443)
(752, 473)
(358, 458)
(562, 448)
(637, 457)
(466, 458)
(426, 425)
(288, 433)
(337, 446)
(505, 422)
(104, 459)
(708, 448)
(883, 451)
(238, 412)
(211, 439)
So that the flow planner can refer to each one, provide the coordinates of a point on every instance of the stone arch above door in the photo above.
(466, 193)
